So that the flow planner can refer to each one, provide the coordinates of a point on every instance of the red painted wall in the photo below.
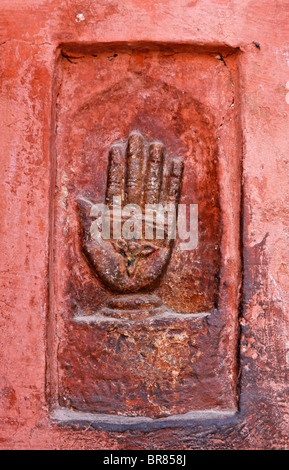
(32, 33)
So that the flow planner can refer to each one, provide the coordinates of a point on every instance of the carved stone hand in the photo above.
(138, 174)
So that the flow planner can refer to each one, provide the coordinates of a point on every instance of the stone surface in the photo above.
(257, 35)
(130, 98)
(155, 368)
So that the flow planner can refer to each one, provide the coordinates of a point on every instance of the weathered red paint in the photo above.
(238, 52)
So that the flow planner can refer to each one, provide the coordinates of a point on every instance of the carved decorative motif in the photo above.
(138, 174)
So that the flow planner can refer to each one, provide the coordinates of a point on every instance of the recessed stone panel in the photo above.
(145, 328)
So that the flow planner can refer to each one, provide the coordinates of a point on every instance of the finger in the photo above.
(114, 174)
(84, 206)
(134, 168)
(154, 173)
(175, 180)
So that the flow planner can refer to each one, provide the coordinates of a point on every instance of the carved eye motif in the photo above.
(148, 249)
(133, 251)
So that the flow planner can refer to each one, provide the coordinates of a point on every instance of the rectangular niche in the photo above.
(184, 358)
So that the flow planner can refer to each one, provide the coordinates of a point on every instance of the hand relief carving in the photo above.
(139, 180)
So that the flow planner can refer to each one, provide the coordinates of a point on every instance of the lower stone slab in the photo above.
(124, 423)
(157, 367)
